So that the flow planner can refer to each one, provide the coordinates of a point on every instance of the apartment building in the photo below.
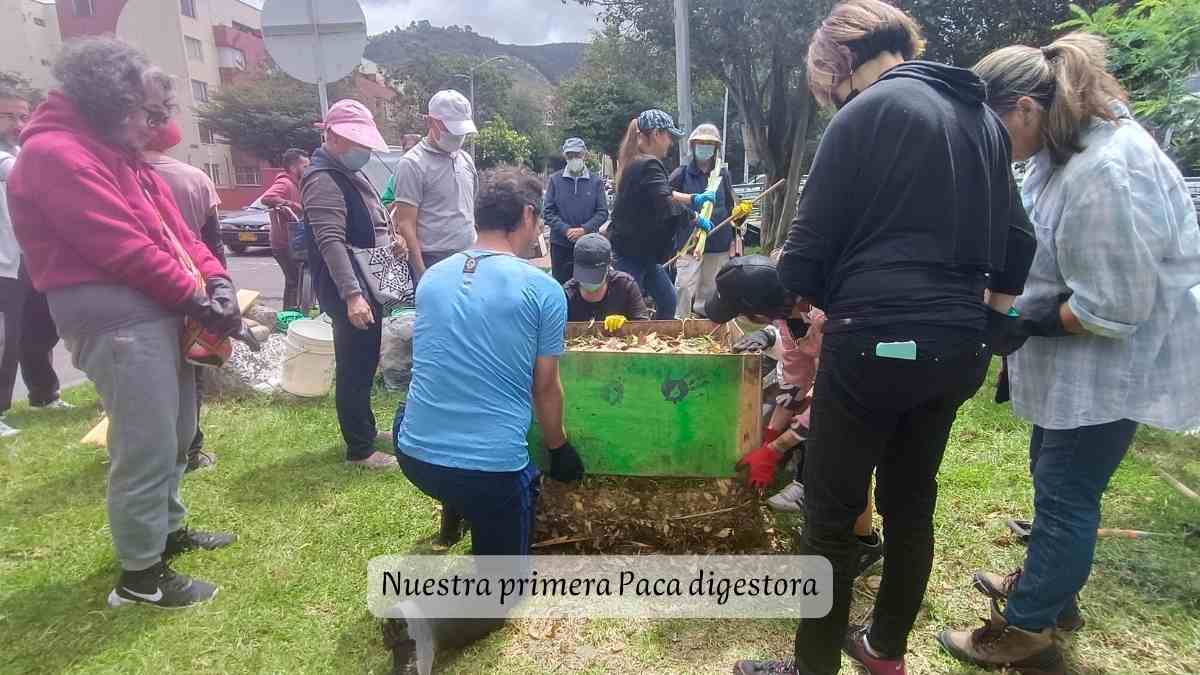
(30, 39)
(204, 44)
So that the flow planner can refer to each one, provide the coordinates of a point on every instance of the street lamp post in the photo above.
(470, 75)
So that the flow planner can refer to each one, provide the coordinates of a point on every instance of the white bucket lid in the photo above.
(311, 332)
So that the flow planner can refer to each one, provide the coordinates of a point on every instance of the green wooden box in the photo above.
(660, 414)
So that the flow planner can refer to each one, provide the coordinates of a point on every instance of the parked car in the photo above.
(251, 226)
(248, 227)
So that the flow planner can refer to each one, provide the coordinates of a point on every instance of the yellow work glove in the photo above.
(613, 322)
(742, 210)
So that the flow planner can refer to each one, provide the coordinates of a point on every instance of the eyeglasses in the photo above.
(156, 118)
(15, 117)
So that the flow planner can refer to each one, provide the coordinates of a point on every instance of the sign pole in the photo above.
(322, 94)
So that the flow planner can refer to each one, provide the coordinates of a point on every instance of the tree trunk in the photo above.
(795, 171)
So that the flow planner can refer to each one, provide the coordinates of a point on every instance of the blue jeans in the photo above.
(653, 280)
(1071, 470)
(499, 505)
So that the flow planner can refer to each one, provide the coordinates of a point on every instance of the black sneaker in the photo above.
(870, 551)
(402, 647)
(184, 540)
(199, 459)
(160, 586)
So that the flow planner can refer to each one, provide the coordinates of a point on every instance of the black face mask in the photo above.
(849, 97)
(797, 327)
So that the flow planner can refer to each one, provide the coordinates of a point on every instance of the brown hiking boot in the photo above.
(999, 645)
(999, 587)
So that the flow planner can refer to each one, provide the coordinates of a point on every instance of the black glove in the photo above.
(1002, 392)
(565, 465)
(1006, 333)
(245, 336)
(215, 314)
(758, 341)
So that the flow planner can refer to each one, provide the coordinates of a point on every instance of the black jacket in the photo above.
(644, 219)
(910, 209)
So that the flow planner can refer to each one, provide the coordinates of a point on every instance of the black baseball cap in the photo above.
(593, 254)
(747, 285)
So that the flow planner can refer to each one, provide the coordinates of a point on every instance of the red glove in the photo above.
(762, 466)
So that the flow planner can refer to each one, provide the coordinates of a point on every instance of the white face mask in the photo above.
(575, 166)
(703, 153)
(450, 143)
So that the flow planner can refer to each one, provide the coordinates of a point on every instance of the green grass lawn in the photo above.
(293, 588)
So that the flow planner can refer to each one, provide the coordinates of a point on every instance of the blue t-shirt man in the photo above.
(475, 341)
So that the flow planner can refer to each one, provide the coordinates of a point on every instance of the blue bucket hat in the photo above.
(657, 119)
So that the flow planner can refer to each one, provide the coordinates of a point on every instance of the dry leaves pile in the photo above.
(622, 515)
(651, 343)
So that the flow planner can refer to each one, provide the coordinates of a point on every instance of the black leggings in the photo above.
(891, 417)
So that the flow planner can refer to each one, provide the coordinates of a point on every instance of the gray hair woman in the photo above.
(1108, 324)
(102, 237)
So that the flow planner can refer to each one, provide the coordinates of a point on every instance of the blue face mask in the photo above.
(355, 159)
(703, 153)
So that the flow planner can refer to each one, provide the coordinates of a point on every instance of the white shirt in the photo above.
(1115, 228)
(10, 253)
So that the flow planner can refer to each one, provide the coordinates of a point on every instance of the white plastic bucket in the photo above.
(308, 358)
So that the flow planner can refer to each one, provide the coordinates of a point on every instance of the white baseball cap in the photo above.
(454, 110)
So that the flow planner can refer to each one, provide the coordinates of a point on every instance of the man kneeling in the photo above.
(490, 328)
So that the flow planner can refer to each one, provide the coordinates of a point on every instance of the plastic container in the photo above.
(285, 319)
(308, 360)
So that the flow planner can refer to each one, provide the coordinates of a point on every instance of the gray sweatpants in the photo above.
(149, 393)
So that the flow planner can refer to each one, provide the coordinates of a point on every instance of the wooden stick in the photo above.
(710, 513)
(560, 540)
(1183, 489)
(729, 220)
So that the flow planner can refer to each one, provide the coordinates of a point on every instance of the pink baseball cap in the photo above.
(354, 122)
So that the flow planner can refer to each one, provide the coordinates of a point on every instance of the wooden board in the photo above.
(246, 299)
(98, 436)
(686, 415)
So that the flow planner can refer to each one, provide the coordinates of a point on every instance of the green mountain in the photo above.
(548, 63)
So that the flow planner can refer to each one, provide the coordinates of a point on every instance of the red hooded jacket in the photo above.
(80, 212)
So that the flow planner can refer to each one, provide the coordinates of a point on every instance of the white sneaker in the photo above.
(7, 431)
(789, 500)
(56, 404)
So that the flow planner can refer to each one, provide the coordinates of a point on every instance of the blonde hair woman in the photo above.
(1110, 317)
(908, 217)
(647, 210)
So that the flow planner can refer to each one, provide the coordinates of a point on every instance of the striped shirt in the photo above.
(1115, 228)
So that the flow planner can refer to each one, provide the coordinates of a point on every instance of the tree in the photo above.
(265, 116)
(960, 32)
(1155, 51)
(498, 144)
(757, 49)
(419, 79)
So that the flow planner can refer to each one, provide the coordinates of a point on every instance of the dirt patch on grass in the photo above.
(622, 515)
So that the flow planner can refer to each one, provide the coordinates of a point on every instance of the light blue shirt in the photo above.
(1116, 228)
(475, 342)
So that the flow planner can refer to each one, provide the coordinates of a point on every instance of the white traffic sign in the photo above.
(317, 41)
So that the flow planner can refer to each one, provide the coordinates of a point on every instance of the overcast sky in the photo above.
(523, 22)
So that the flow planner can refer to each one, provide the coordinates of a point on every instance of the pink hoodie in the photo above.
(81, 215)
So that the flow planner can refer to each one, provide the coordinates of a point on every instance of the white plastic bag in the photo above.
(395, 359)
